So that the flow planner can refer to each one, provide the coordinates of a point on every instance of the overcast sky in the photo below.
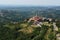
(30, 2)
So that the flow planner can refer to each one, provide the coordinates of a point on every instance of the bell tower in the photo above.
(36, 14)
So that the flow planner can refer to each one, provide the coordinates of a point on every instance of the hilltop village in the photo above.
(41, 20)
(37, 21)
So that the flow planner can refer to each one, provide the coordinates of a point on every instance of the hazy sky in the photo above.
(30, 2)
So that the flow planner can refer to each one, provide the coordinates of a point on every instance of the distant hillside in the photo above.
(21, 13)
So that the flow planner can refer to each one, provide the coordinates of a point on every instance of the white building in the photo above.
(55, 27)
(58, 36)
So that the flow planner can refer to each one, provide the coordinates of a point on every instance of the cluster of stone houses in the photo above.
(39, 20)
